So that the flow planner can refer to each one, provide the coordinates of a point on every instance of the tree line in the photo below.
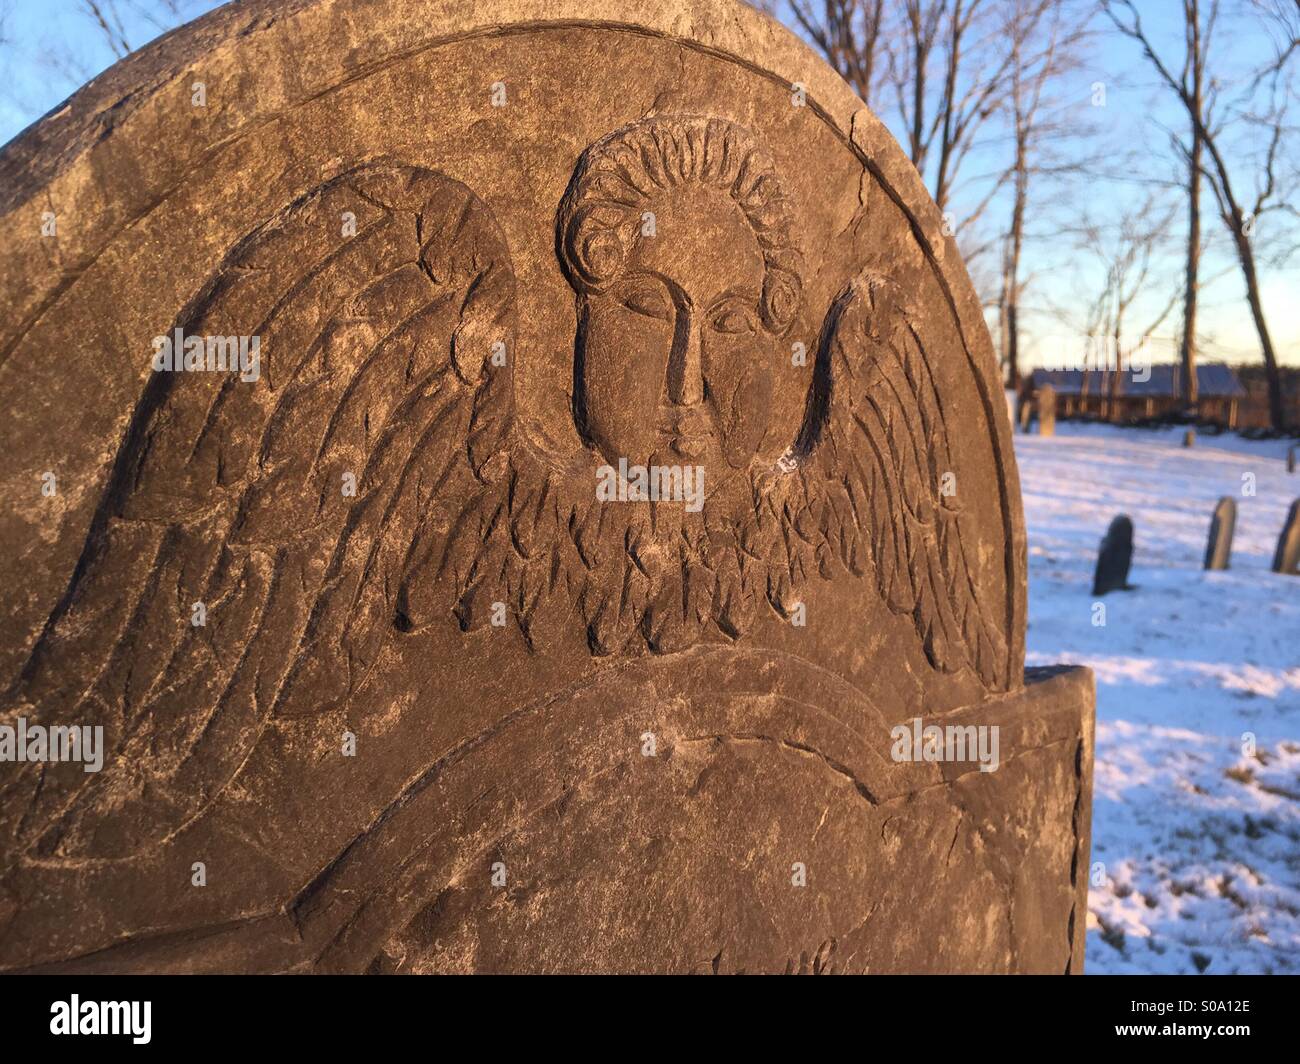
(1005, 84)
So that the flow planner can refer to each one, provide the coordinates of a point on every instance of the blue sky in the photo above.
(55, 46)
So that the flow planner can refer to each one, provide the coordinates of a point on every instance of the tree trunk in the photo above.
(1112, 392)
(1011, 275)
(920, 57)
(949, 107)
(1247, 256)
(1235, 218)
(1187, 352)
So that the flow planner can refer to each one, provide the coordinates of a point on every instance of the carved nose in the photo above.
(685, 375)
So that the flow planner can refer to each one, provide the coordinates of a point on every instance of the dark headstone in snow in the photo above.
(1189, 438)
(1114, 557)
(1218, 549)
(1286, 559)
(1290, 457)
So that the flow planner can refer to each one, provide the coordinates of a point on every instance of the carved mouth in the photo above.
(687, 431)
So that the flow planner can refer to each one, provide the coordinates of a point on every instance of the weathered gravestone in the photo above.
(1291, 457)
(519, 480)
(1045, 399)
(1223, 522)
(1026, 415)
(1114, 557)
(1189, 438)
(1286, 558)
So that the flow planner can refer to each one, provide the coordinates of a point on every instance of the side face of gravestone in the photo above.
(1286, 558)
(1114, 557)
(1218, 547)
(1026, 414)
(1046, 400)
(517, 478)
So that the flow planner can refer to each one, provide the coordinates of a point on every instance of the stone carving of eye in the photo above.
(649, 300)
(733, 316)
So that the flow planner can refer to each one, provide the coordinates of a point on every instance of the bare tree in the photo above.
(851, 36)
(1045, 39)
(1239, 215)
(105, 15)
(1192, 86)
(111, 16)
(961, 44)
(961, 78)
(1281, 20)
(119, 26)
(943, 64)
(1127, 254)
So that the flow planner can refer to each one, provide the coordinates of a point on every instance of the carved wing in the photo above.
(883, 454)
(284, 506)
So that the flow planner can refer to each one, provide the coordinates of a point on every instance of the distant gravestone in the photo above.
(1026, 414)
(1218, 549)
(1290, 458)
(1286, 559)
(1047, 410)
(1189, 438)
(1114, 557)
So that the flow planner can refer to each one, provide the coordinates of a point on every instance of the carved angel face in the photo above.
(675, 363)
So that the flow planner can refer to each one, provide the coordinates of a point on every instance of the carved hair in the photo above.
(618, 176)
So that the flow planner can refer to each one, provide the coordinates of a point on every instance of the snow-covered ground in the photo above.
(1199, 835)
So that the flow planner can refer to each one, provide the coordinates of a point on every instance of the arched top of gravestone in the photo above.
(508, 155)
